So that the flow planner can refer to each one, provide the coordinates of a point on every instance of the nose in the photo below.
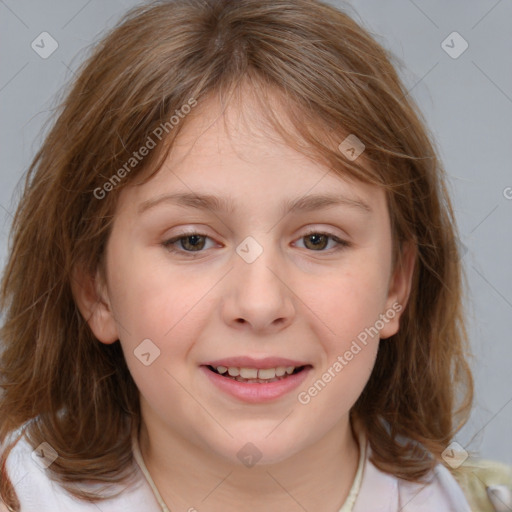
(257, 296)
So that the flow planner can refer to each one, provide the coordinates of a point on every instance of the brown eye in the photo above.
(316, 241)
(322, 242)
(192, 242)
(187, 243)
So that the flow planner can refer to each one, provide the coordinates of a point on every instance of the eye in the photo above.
(186, 243)
(192, 244)
(318, 241)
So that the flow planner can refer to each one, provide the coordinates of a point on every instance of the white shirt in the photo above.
(372, 490)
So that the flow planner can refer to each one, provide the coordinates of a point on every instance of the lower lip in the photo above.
(254, 392)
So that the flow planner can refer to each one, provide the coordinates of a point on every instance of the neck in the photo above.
(189, 477)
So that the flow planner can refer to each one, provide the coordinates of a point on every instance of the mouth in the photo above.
(257, 375)
(255, 380)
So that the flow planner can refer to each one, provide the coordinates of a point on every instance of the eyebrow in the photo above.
(224, 204)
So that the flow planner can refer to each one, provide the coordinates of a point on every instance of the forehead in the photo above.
(235, 152)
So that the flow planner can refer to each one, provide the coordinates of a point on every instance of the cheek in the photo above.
(153, 302)
(349, 301)
(348, 308)
(348, 305)
(152, 299)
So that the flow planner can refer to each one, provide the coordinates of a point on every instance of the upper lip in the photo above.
(250, 362)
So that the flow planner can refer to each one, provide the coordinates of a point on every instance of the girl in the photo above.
(233, 282)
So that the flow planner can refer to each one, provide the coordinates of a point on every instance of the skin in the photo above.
(294, 301)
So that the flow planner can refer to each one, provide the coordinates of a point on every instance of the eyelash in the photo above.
(169, 244)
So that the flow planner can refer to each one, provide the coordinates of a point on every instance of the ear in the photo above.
(91, 297)
(399, 289)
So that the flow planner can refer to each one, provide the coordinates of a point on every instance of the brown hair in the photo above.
(332, 79)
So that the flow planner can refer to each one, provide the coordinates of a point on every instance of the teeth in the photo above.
(249, 373)
(255, 373)
(280, 371)
(268, 373)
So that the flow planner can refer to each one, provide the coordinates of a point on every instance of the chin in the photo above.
(255, 449)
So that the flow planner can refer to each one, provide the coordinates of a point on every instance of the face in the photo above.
(244, 254)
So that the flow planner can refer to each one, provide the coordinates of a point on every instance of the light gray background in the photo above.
(467, 102)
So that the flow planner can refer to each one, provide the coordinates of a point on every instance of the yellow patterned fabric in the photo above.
(475, 476)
